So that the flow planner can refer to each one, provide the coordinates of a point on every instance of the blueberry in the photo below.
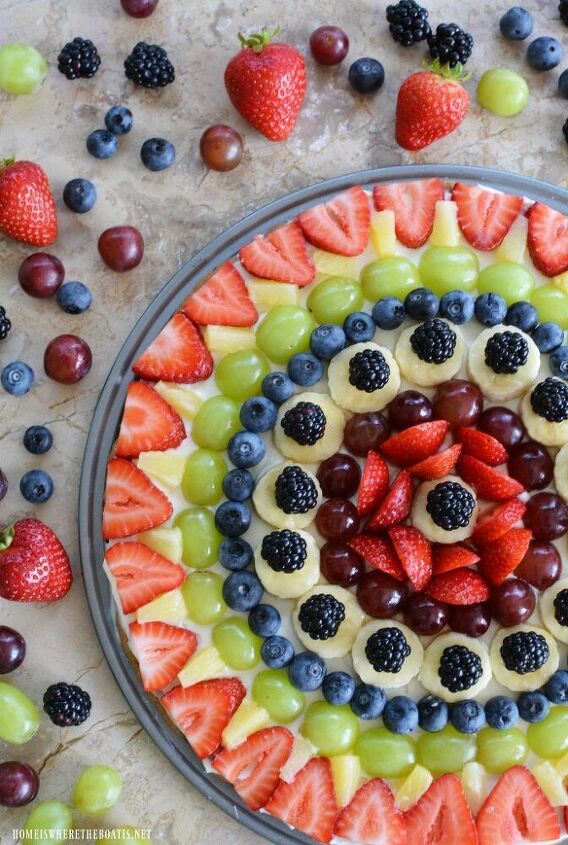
(516, 24)
(38, 439)
(277, 386)
(277, 652)
(556, 688)
(119, 120)
(501, 712)
(522, 315)
(389, 313)
(305, 369)
(548, 336)
(432, 713)
(544, 53)
(102, 144)
(306, 671)
(327, 340)
(79, 195)
(242, 590)
(74, 297)
(467, 716)
(17, 378)
(258, 414)
(457, 306)
(238, 485)
(157, 154)
(368, 701)
(366, 75)
(558, 362)
(490, 309)
(359, 327)
(421, 304)
(533, 706)
(246, 449)
(400, 715)
(264, 620)
(235, 553)
(232, 519)
(338, 688)
(563, 84)
(36, 486)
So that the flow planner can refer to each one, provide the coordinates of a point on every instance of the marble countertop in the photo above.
(178, 211)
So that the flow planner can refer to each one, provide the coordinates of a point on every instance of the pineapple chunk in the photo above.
(514, 244)
(169, 607)
(184, 400)
(551, 783)
(474, 782)
(561, 765)
(302, 751)
(346, 771)
(413, 787)
(224, 339)
(329, 264)
(166, 467)
(166, 541)
(249, 717)
(561, 281)
(383, 236)
(446, 231)
(267, 295)
(204, 664)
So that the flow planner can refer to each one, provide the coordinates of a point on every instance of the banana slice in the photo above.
(323, 448)
(290, 585)
(265, 501)
(342, 641)
(422, 520)
(346, 395)
(548, 612)
(430, 674)
(530, 680)
(421, 372)
(561, 472)
(388, 680)
(499, 387)
(546, 432)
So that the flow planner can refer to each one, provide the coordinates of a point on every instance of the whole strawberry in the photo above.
(27, 207)
(33, 564)
(266, 83)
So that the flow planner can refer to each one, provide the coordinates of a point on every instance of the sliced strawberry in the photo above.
(416, 443)
(379, 553)
(148, 423)
(140, 574)
(501, 556)
(161, 650)
(414, 205)
(340, 225)
(485, 217)
(374, 484)
(414, 552)
(372, 817)
(482, 446)
(132, 502)
(177, 354)
(396, 505)
(452, 556)
(547, 239)
(517, 810)
(281, 255)
(441, 816)
(438, 465)
(489, 483)
(308, 802)
(495, 522)
(253, 767)
(459, 586)
(203, 711)
(223, 300)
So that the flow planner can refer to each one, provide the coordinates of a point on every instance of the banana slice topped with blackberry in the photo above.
(553, 606)
(287, 496)
(364, 377)
(430, 353)
(503, 362)
(287, 563)
(455, 667)
(309, 428)
(445, 511)
(523, 657)
(387, 654)
(327, 619)
(545, 412)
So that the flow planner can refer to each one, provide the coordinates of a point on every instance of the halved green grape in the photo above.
(203, 477)
(201, 540)
(235, 642)
(239, 375)
(19, 717)
(203, 596)
(332, 729)
(391, 276)
(97, 789)
(272, 690)
(502, 91)
(498, 750)
(549, 738)
(48, 822)
(551, 304)
(446, 268)
(22, 69)
(386, 755)
(445, 751)
(511, 281)
(332, 300)
(215, 423)
(284, 332)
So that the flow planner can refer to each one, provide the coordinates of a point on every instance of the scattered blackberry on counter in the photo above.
(544, 53)
(119, 120)
(533, 706)
(38, 439)
(66, 704)
(304, 423)
(524, 651)
(459, 668)
(516, 24)
(338, 688)
(5, 324)
(368, 701)
(421, 304)
(549, 400)
(79, 195)
(467, 716)
(548, 337)
(148, 65)
(305, 369)
(366, 75)
(501, 712)
(522, 315)
(505, 352)
(295, 491)
(284, 551)
(368, 370)
(450, 44)
(490, 309)
(450, 505)
(359, 327)
(457, 306)
(321, 615)
(408, 22)
(79, 59)
(400, 715)
(434, 341)
(387, 649)
(157, 154)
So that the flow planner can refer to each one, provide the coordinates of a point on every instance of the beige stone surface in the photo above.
(178, 211)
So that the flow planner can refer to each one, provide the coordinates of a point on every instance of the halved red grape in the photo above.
(458, 401)
(503, 424)
(541, 566)
(410, 408)
(339, 475)
(380, 595)
(364, 432)
(531, 464)
(340, 564)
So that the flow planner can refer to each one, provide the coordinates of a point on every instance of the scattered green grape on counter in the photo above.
(22, 69)
(446, 268)
(19, 717)
(97, 789)
(284, 332)
(332, 729)
(203, 596)
(551, 304)
(203, 477)
(215, 423)
(499, 750)
(49, 817)
(446, 751)
(201, 540)
(549, 738)
(511, 281)
(502, 91)
(391, 276)
(272, 690)
(235, 642)
(332, 300)
(239, 375)
(384, 754)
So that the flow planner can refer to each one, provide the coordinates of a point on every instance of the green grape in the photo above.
(549, 738)
(497, 750)
(332, 729)
(511, 281)
(284, 332)
(551, 304)
(272, 690)
(128, 836)
(203, 596)
(97, 789)
(502, 91)
(19, 717)
(202, 482)
(446, 268)
(392, 276)
(215, 423)
(332, 300)
(200, 538)
(49, 816)
(445, 751)
(22, 69)
(239, 375)
(235, 642)
(386, 755)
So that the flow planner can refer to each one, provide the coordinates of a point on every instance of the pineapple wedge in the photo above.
(551, 783)
(346, 771)
(561, 765)
(224, 339)
(249, 717)
(183, 399)
(166, 541)
(474, 782)
(383, 235)
(446, 231)
(413, 787)
(204, 664)
(329, 264)
(169, 607)
(561, 281)
(302, 751)
(267, 295)
(514, 245)
(167, 466)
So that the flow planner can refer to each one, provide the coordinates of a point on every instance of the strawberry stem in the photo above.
(456, 74)
(6, 537)
(258, 40)
(5, 162)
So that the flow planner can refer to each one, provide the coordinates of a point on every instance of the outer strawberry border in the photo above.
(106, 420)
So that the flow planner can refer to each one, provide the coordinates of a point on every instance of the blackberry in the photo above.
(148, 65)
(561, 607)
(549, 400)
(368, 370)
(66, 704)
(5, 324)
(459, 668)
(79, 58)
(450, 44)
(450, 505)
(304, 423)
(321, 615)
(295, 491)
(284, 551)
(408, 22)
(434, 341)
(563, 11)
(387, 649)
(525, 651)
(505, 352)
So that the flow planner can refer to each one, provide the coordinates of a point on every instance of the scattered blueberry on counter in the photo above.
(157, 154)
(544, 53)
(119, 120)
(79, 195)
(366, 75)
(17, 378)
(36, 486)
(38, 439)
(102, 144)
(74, 297)
(516, 24)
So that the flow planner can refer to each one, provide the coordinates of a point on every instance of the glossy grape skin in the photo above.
(41, 275)
(425, 615)
(237, 645)
(202, 482)
(552, 304)
(97, 789)
(221, 147)
(284, 332)
(332, 729)
(239, 374)
(340, 564)
(203, 596)
(390, 276)
(215, 423)
(380, 595)
(364, 432)
(22, 69)
(384, 754)
(531, 464)
(498, 750)
(337, 519)
(339, 476)
(511, 281)
(139, 8)
(541, 566)
(272, 690)
(502, 91)
(473, 620)
(503, 424)
(546, 516)
(409, 408)
(19, 784)
(333, 299)
(549, 738)
(19, 717)
(121, 248)
(49, 816)
(12, 649)
(512, 602)
(67, 359)
(329, 45)
(446, 268)
(458, 401)
(201, 540)
(445, 751)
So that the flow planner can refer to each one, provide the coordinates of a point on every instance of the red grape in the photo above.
(364, 432)
(340, 564)
(121, 248)
(12, 649)
(337, 519)
(329, 45)
(41, 275)
(424, 615)
(67, 358)
(502, 424)
(221, 147)
(339, 475)
(541, 566)
(139, 8)
(473, 620)
(380, 595)
(546, 516)
(512, 602)
(531, 464)
(410, 408)
(19, 784)
(459, 402)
